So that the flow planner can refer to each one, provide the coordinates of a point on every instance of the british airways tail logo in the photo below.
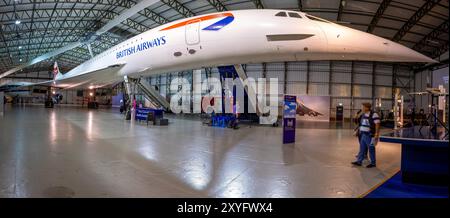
(227, 19)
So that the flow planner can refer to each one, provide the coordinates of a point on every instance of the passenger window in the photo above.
(292, 14)
(281, 14)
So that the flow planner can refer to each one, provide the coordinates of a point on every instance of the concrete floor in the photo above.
(74, 152)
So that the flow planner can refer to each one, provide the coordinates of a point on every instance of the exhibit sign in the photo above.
(289, 118)
(141, 113)
(313, 108)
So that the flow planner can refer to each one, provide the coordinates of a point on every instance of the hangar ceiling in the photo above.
(29, 28)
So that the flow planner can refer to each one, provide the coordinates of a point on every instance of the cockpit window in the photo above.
(292, 14)
(281, 14)
(317, 19)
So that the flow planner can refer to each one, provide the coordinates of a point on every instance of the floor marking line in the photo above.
(377, 185)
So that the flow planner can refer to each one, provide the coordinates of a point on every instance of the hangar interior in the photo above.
(48, 25)
(29, 28)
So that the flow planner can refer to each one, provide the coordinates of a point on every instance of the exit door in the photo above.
(193, 32)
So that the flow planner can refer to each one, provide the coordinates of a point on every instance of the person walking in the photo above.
(369, 132)
(122, 106)
(356, 121)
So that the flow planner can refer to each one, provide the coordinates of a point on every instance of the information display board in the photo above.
(141, 113)
(289, 114)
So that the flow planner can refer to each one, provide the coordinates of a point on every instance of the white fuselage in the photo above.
(253, 36)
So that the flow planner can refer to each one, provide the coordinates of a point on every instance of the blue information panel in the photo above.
(141, 113)
(289, 114)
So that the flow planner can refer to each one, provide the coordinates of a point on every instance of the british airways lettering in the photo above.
(141, 47)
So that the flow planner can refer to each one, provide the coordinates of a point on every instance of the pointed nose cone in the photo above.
(402, 53)
(353, 44)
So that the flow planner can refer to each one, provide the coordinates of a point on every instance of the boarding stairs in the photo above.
(148, 91)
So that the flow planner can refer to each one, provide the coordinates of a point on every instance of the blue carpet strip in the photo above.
(395, 188)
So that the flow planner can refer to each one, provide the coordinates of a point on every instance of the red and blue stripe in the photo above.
(227, 19)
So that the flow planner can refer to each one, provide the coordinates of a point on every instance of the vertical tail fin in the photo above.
(55, 70)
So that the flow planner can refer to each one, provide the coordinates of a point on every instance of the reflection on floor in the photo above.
(74, 152)
(301, 124)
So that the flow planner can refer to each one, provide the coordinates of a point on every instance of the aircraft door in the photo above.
(193, 32)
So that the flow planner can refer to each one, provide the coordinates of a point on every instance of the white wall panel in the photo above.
(318, 89)
(319, 77)
(383, 92)
(319, 71)
(296, 76)
(341, 77)
(362, 91)
(341, 66)
(319, 66)
(296, 88)
(383, 69)
(254, 71)
(340, 90)
(254, 74)
(362, 67)
(296, 66)
(275, 66)
(383, 80)
(254, 67)
(362, 78)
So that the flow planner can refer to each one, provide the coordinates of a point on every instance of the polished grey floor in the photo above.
(74, 152)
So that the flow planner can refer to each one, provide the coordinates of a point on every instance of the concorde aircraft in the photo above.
(229, 38)
(303, 110)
